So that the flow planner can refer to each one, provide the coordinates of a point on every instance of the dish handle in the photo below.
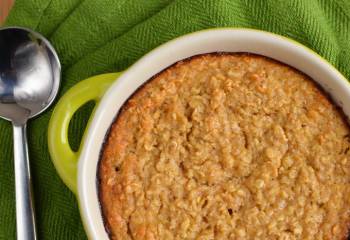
(63, 157)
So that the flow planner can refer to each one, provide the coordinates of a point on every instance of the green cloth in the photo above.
(99, 36)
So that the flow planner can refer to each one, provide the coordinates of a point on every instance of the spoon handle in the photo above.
(24, 200)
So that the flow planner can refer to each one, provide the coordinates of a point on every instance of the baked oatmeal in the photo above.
(227, 146)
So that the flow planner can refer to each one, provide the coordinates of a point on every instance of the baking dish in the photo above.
(78, 169)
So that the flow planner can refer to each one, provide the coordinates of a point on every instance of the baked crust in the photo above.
(227, 146)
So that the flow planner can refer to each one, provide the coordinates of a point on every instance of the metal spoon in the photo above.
(29, 81)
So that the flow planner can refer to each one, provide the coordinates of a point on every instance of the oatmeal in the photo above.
(227, 146)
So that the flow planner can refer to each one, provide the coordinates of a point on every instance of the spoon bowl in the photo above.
(29, 74)
(29, 82)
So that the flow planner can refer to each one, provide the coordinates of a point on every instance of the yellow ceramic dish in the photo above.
(78, 169)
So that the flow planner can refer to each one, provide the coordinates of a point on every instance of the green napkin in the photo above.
(99, 36)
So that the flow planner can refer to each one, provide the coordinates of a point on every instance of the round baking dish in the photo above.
(78, 169)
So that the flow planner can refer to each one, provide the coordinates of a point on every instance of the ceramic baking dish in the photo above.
(78, 169)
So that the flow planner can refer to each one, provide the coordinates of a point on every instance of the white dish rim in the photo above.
(268, 44)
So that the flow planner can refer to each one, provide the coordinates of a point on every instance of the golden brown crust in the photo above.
(227, 146)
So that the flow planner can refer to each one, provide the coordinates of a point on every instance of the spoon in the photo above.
(29, 81)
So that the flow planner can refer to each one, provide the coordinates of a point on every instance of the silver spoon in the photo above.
(29, 81)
